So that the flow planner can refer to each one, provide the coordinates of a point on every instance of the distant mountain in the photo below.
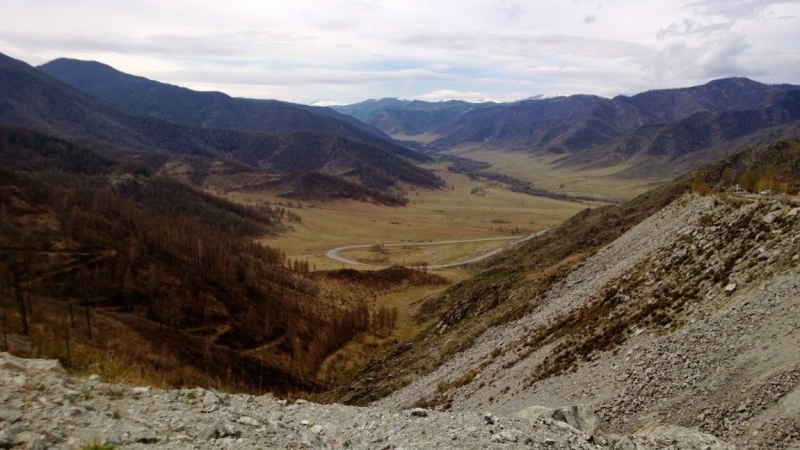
(211, 109)
(699, 138)
(514, 124)
(653, 135)
(577, 123)
(31, 98)
(396, 116)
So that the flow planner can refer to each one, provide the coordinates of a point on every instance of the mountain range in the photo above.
(122, 115)
(397, 116)
(655, 134)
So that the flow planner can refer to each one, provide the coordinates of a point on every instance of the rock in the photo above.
(503, 437)
(211, 399)
(794, 212)
(245, 420)
(419, 412)
(301, 402)
(534, 413)
(140, 391)
(74, 411)
(10, 416)
(145, 436)
(94, 377)
(210, 432)
(488, 418)
(317, 429)
(680, 437)
(580, 417)
(730, 288)
(232, 430)
(113, 439)
(770, 217)
(19, 380)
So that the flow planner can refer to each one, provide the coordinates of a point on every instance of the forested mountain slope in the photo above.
(31, 98)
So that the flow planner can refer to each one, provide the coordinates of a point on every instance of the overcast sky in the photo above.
(346, 51)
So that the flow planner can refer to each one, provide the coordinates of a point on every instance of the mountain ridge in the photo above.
(150, 98)
(31, 98)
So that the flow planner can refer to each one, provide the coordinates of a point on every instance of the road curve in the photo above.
(334, 254)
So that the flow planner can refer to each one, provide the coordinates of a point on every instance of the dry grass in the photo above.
(544, 173)
(115, 353)
(425, 138)
(431, 215)
(344, 363)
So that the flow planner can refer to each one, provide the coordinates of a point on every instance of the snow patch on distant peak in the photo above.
(537, 97)
(326, 103)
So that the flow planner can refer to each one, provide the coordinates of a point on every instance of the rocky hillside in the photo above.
(691, 318)
(41, 407)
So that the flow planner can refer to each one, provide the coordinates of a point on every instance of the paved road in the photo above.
(334, 254)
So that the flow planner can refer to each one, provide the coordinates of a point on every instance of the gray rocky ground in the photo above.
(41, 407)
(727, 362)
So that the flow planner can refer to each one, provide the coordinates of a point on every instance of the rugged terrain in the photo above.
(655, 135)
(207, 138)
(41, 407)
(691, 318)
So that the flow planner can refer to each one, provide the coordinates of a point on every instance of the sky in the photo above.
(345, 51)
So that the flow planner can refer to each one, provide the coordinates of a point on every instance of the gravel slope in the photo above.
(41, 407)
(728, 363)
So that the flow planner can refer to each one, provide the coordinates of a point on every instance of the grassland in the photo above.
(450, 213)
(432, 254)
(431, 215)
(424, 138)
(544, 173)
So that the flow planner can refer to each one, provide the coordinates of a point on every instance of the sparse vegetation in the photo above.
(509, 285)
(97, 445)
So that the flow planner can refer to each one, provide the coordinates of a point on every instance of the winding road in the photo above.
(334, 254)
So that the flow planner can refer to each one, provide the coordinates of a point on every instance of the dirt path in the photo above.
(334, 254)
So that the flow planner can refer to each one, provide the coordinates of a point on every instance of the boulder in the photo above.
(580, 417)
(211, 399)
(534, 413)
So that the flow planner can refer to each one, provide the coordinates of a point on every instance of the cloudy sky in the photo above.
(350, 50)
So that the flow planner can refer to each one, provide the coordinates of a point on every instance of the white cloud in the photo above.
(349, 50)
(511, 10)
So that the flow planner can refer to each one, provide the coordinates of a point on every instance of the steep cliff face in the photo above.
(691, 318)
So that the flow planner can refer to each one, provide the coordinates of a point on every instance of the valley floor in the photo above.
(453, 212)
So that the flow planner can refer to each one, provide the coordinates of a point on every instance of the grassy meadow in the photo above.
(431, 215)
(450, 213)
(542, 172)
